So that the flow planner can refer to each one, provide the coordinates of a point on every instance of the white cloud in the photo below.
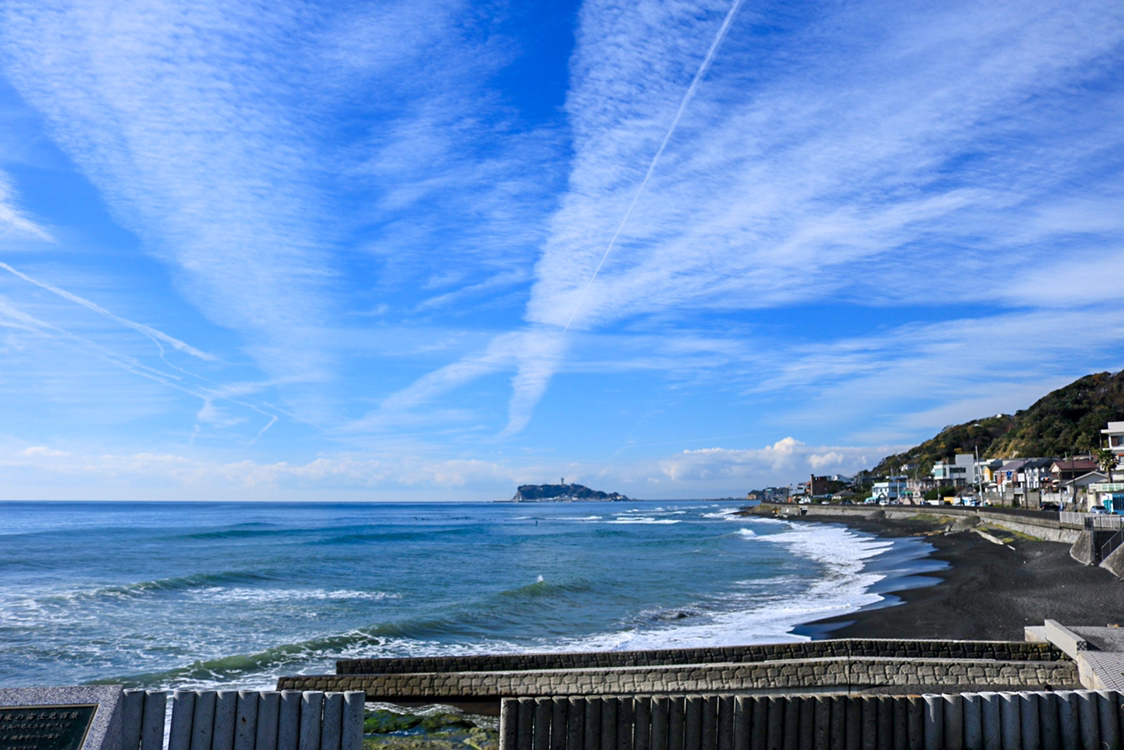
(14, 221)
(42, 450)
(786, 460)
(209, 129)
(831, 459)
(919, 154)
(419, 473)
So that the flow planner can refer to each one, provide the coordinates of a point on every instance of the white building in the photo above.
(891, 489)
(960, 472)
(1115, 436)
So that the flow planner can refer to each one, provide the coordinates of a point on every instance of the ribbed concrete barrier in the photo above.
(142, 719)
(1063, 720)
(243, 720)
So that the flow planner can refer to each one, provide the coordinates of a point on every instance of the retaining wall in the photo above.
(840, 647)
(971, 721)
(846, 674)
(1046, 529)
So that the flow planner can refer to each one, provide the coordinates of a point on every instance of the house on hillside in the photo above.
(1021, 481)
(918, 487)
(986, 469)
(1110, 491)
(1035, 474)
(959, 472)
(1007, 477)
(1065, 471)
(1114, 436)
(891, 489)
(820, 486)
(1087, 490)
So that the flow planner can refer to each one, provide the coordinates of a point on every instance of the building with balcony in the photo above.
(960, 472)
(1114, 436)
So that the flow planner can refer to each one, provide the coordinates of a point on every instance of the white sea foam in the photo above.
(645, 520)
(765, 611)
(755, 610)
(771, 522)
(250, 595)
(758, 611)
(726, 514)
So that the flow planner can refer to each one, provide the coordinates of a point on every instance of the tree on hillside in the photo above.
(1084, 444)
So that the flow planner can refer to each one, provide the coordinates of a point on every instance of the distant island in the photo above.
(542, 493)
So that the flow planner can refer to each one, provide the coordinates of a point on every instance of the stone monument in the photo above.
(61, 718)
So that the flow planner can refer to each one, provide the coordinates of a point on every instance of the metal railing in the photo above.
(1071, 519)
(1104, 523)
(1109, 546)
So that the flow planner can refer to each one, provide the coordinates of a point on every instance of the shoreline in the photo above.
(985, 591)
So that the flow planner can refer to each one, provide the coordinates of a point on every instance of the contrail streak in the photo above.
(130, 364)
(703, 67)
(155, 336)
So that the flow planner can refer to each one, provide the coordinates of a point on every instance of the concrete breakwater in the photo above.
(847, 675)
(828, 666)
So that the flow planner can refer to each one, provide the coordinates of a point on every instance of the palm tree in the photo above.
(1107, 461)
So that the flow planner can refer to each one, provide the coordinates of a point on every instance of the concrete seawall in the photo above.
(831, 675)
(1039, 528)
(830, 666)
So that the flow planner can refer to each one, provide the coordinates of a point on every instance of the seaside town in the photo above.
(1086, 483)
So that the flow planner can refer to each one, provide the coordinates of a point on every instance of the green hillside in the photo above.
(1061, 423)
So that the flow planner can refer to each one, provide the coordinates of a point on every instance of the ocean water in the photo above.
(234, 595)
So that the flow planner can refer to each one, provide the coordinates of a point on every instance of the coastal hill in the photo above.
(530, 493)
(1064, 422)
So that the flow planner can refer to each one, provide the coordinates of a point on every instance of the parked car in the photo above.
(1099, 510)
(1050, 506)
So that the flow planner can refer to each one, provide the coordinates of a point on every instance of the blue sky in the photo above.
(434, 249)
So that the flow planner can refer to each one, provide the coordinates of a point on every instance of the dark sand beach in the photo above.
(988, 591)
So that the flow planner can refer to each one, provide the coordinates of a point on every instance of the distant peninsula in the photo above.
(545, 493)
